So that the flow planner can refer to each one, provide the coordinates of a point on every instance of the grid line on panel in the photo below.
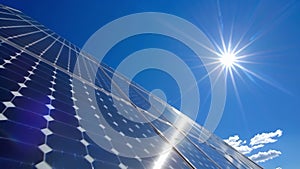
(135, 107)
(70, 74)
(69, 58)
(9, 19)
(21, 35)
(128, 100)
(227, 153)
(181, 132)
(21, 84)
(38, 40)
(62, 42)
(16, 26)
(158, 131)
(88, 156)
(90, 59)
(174, 148)
(190, 134)
(195, 144)
(45, 148)
(60, 49)
(86, 69)
(36, 25)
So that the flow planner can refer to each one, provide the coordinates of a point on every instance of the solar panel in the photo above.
(48, 122)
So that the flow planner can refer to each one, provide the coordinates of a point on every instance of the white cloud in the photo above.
(238, 144)
(265, 138)
(278, 168)
(261, 157)
(257, 142)
(241, 145)
(257, 146)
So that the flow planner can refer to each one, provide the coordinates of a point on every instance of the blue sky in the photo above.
(265, 113)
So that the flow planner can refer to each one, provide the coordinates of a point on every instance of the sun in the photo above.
(228, 59)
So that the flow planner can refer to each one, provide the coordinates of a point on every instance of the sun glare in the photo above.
(228, 59)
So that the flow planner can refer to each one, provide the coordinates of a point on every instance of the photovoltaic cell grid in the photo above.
(39, 124)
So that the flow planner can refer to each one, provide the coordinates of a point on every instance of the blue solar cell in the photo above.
(6, 95)
(41, 77)
(40, 82)
(46, 66)
(62, 75)
(111, 114)
(215, 155)
(12, 163)
(52, 52)
(30, 105)
(41, 67)
(18, 30)
(63, 59)
(17, 69)
(43, 88)
(40, 46)
(104, 78)
(65, 130)
(63, 97)
(55, 36)
(6, 52)
(58, 159)
(4, 14)
(19, 151)
(64, 117)
(10, 48)
(8, 84)
(15, 77)
(48, 31)
(10, 10)
(29, 38)
(27, 118)
(35, 94)
(61, 86)
(21, 133)
(4, 22)
(62, 106)
(66, 145)
(73, 58)
(22, 63)
(139, 98)
(2, 107)
(102, 155)
(197, 158)
(100, 82)
(102, 164)
(132, 162)
(27, 58)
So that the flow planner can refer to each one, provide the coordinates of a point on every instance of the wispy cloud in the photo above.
(258, 141)
(265, 156)
(265, 138)
(240, 145)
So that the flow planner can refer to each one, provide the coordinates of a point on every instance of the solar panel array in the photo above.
(40, 123)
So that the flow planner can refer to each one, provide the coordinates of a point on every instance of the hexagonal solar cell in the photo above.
(57, 110)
